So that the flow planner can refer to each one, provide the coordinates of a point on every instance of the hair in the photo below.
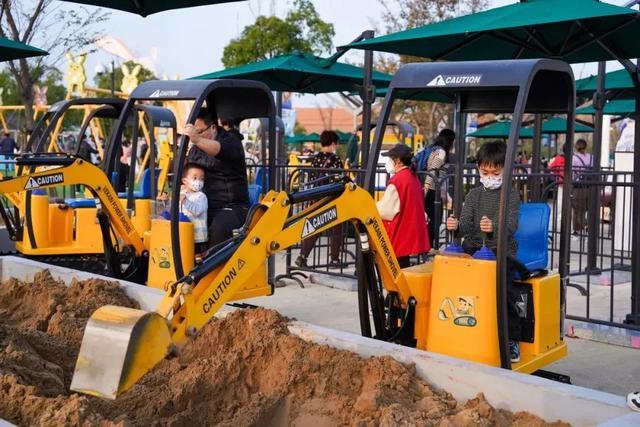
(328, 137)
(581, 144)
(190, 166)
(445, 139)
(206, 116)
(225, 121)
(492, 153)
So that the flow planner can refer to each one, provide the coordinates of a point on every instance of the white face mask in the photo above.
(196, 184)
(390, 166)
(491, 182)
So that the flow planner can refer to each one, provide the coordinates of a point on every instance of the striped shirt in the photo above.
(435, 162)
(482, 202)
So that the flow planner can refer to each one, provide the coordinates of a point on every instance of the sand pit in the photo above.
(244, 370)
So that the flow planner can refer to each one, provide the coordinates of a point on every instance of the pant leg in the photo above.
(429, 208)
(336, 242)
(515, 330)
(223, 222)
(307, 245)
(579, 208)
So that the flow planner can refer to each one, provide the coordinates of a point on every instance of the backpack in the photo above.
(420, 160)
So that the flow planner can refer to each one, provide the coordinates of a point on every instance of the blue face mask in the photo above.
(491, 182)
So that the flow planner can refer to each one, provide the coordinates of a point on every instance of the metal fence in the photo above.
(600, 278)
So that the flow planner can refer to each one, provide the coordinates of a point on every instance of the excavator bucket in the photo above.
(119, 346)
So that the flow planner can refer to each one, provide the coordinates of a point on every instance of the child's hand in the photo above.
(452, 223)
(486, 225)
(182, 197)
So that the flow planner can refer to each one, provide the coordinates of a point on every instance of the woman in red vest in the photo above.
(402, 206)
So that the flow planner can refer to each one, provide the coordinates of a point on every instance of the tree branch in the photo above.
(34, 17)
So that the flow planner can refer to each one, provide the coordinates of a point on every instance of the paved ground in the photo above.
(604, 367)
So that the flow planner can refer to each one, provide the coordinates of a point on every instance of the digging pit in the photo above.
(246, 369)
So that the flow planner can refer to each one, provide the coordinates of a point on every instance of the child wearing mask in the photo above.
(479, 218)
(193, 203)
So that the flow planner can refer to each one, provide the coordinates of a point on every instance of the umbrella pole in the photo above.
(594, 196)
(536, 152)
(367, 95)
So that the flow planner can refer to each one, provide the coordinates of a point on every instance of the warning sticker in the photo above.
(319, 220)
(39, 181)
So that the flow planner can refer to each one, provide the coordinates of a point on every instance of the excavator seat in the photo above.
(533, 229)
(145, 186)
(254, 194)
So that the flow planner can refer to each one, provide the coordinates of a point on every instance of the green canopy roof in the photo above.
(10, 50)
(561, 29)
(616, 107)
(302, 137)
(302, 73)
(614, 80)
(147, 7)
(554, 125)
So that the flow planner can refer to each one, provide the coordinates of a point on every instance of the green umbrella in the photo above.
(301, 137)
(10, 50)
(572, 30)
(616, 107)
(147, 7)
(302, 73)
(614, 80)
(554, 125)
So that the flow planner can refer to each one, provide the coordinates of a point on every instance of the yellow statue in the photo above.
(129, 78)
(76, 77)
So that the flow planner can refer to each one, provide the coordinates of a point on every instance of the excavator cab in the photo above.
(460, 307)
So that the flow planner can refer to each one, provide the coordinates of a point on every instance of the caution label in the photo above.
(39, 181)
(458, 80)
(319, 220)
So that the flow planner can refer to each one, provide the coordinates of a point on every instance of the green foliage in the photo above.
(103, 80)
(401, 15)
(301, 30)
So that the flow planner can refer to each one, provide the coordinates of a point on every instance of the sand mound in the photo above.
(243, 370)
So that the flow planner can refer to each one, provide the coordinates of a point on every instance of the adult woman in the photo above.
(325, 159)
(581, 164)
(401, 207)
(439, 152)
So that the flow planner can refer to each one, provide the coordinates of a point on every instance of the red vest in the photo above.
(408, 229)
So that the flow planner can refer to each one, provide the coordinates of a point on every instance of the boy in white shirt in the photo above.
(193, 203)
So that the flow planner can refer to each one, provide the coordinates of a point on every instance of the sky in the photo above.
(190, 41)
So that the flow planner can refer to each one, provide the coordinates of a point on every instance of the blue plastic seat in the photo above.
(532, 234)
(80, 203)
(254, 193)
(145, 186)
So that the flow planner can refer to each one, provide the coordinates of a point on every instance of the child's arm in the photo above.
(467, 216)
(198, 205)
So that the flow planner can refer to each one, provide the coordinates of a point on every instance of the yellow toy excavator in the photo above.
(48, 222)
(452, 304)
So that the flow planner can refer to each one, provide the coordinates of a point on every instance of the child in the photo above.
(193, 203)
(478, 224)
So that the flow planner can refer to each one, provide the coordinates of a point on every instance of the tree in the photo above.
(405, 14)
(301, 30)
(103, 80)
(49, 26)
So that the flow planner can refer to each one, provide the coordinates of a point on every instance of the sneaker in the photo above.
(301, 262)
(633, 400)
(514, 351)
(335, 264)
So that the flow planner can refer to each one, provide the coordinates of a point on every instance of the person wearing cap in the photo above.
(402, 206)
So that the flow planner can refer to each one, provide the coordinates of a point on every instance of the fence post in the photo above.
(593, 212)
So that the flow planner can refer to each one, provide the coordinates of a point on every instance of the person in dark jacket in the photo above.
(221, 155)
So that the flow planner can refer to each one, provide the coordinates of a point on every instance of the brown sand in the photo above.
(243, 370)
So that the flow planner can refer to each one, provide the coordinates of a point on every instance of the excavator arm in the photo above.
(67, 170)
(146, 338)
